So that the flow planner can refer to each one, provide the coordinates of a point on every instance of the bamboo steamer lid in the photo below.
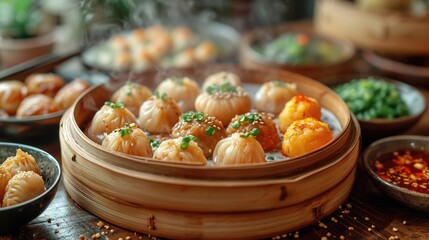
(178, 201)
(388, 32)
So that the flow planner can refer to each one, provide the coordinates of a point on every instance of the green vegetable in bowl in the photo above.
(372, 98)
(299, 49)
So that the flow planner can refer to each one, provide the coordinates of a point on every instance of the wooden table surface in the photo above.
(367, 214)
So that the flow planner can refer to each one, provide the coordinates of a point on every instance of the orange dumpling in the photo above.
(44, 83)
(223, 101)
(12, 92)
(22, 187)
(299, 107)
(304, 136)
(37, 104)
(22, 161)
(67, 95)
(110, 117)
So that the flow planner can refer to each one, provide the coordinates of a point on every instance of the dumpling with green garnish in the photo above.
(182, 89)
(132, 95)
(182, 149)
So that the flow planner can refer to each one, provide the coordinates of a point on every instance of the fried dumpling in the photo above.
(299, 107)
(159, 113)
(4, 179)
(272, 96)
(223, 101)
(182, 149)
(35, 105)
(132, 95)
(12, 92)
(238, 149)
(183, 90)
(130, 140)
(22, 161)
(68, 94)
(23, 186)
(304, 136)
(267, 136)
(44, 83)
(110, 117)
(207, 129)
(221, 78)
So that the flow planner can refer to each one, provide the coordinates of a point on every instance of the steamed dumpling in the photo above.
(12, 92)
(207, 129)
(267, 131)
(4, 179)
(272, 96)
(182, 149)
(182, 37)
(238, 149)
(110, 117)
(221, 78)
(223, 101)
(22, 161)
(159, 113)
(130, 140)
(132, 95)
(304, 136)
(183, 90)
(44, 83)
(299, 107)
(23, 186)
(68, 94)
(205, 52)
(35, 105)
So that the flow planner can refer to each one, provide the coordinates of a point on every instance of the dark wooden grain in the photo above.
(366, 208)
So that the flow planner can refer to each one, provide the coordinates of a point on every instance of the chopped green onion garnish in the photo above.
(153, 143)
(279, 84)
(187, 117)
(270, 158)
(225, 87)
(253, 133)
(177, 80)
(162, 96)
(210, 130)
(236, 125)
(114, 105)
(186, 140)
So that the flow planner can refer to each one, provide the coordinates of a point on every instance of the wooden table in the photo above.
(367, 214)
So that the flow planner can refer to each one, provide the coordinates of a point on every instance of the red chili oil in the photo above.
(407, 169)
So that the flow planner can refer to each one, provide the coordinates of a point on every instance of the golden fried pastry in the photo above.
(267, 136)
(207, 129)
(299, 107)
(304, 136)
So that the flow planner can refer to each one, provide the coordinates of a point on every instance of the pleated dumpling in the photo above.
(221, 78)
(44, 83)
(110, 117)
(132, 95)
(35, 105)
(4, 179)
(68, 94)
(22, 161)
(183, 90)
(23, 186)
(130, 140)
(272, 96)
(238, 149)
(223, 101)
(12, 92)
(182, 149)
(159, 114)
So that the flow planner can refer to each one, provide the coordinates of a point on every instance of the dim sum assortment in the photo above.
(222, 129)
(20, 179)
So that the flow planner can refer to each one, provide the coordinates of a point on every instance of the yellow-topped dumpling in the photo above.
(299, 107)
(238, 148)
(108, 118)
(130, 140)
(223, 101)
(272, 96)
(132, 95)
(183, 90)
(182, 149)
(159, 113)
(304, 136)
(206, 128)
(221, 78)
(22, 161)
(265, 125)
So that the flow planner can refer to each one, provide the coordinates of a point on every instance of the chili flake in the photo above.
(407, 169)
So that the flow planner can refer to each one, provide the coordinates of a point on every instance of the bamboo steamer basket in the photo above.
(210, 202)
(388, 32)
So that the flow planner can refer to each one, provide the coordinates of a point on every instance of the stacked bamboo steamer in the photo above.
(209, 202)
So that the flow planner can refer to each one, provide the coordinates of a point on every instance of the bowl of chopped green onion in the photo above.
(383, 106)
